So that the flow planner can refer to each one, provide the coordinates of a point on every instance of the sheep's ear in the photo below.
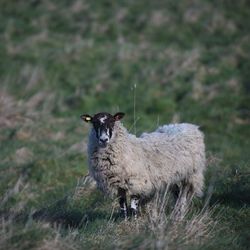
(86, 118)
(118, 116)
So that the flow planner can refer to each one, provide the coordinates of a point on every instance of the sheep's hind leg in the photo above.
(123, 203)
(134, 205)
(185, 195)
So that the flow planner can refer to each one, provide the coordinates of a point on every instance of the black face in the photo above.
(103, 124)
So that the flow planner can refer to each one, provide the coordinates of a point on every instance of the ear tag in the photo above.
(87, 119)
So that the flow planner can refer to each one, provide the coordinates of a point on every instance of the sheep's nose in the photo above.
(104, 140)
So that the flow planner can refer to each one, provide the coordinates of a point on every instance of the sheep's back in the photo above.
(174, 151)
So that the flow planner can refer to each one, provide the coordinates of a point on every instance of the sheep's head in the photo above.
(103, 124)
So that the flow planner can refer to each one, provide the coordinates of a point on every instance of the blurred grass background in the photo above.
(169, 61)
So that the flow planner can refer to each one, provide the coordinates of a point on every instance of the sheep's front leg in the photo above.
(134, 205)
(123, 203)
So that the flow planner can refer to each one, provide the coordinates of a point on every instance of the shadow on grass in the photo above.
(59, 214)
(234, 193)
(234, 198)
(63, 214)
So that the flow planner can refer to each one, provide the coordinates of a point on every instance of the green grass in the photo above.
(171, 61)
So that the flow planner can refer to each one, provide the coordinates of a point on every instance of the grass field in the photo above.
(157, 61)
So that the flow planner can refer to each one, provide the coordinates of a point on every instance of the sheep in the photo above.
(125, 165)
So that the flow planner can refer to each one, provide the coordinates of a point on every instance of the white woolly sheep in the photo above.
(123, 164)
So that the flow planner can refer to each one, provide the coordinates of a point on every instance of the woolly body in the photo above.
(142, 165)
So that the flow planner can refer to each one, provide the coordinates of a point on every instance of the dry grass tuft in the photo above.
(57, 242)
(84, 186)
(194, 229)
(158, 228)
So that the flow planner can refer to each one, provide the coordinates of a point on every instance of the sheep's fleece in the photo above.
(142, 165)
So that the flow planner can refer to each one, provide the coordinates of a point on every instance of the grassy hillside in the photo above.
(157, 61)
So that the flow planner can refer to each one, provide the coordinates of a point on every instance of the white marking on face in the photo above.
(102, 120)
(104, 135)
